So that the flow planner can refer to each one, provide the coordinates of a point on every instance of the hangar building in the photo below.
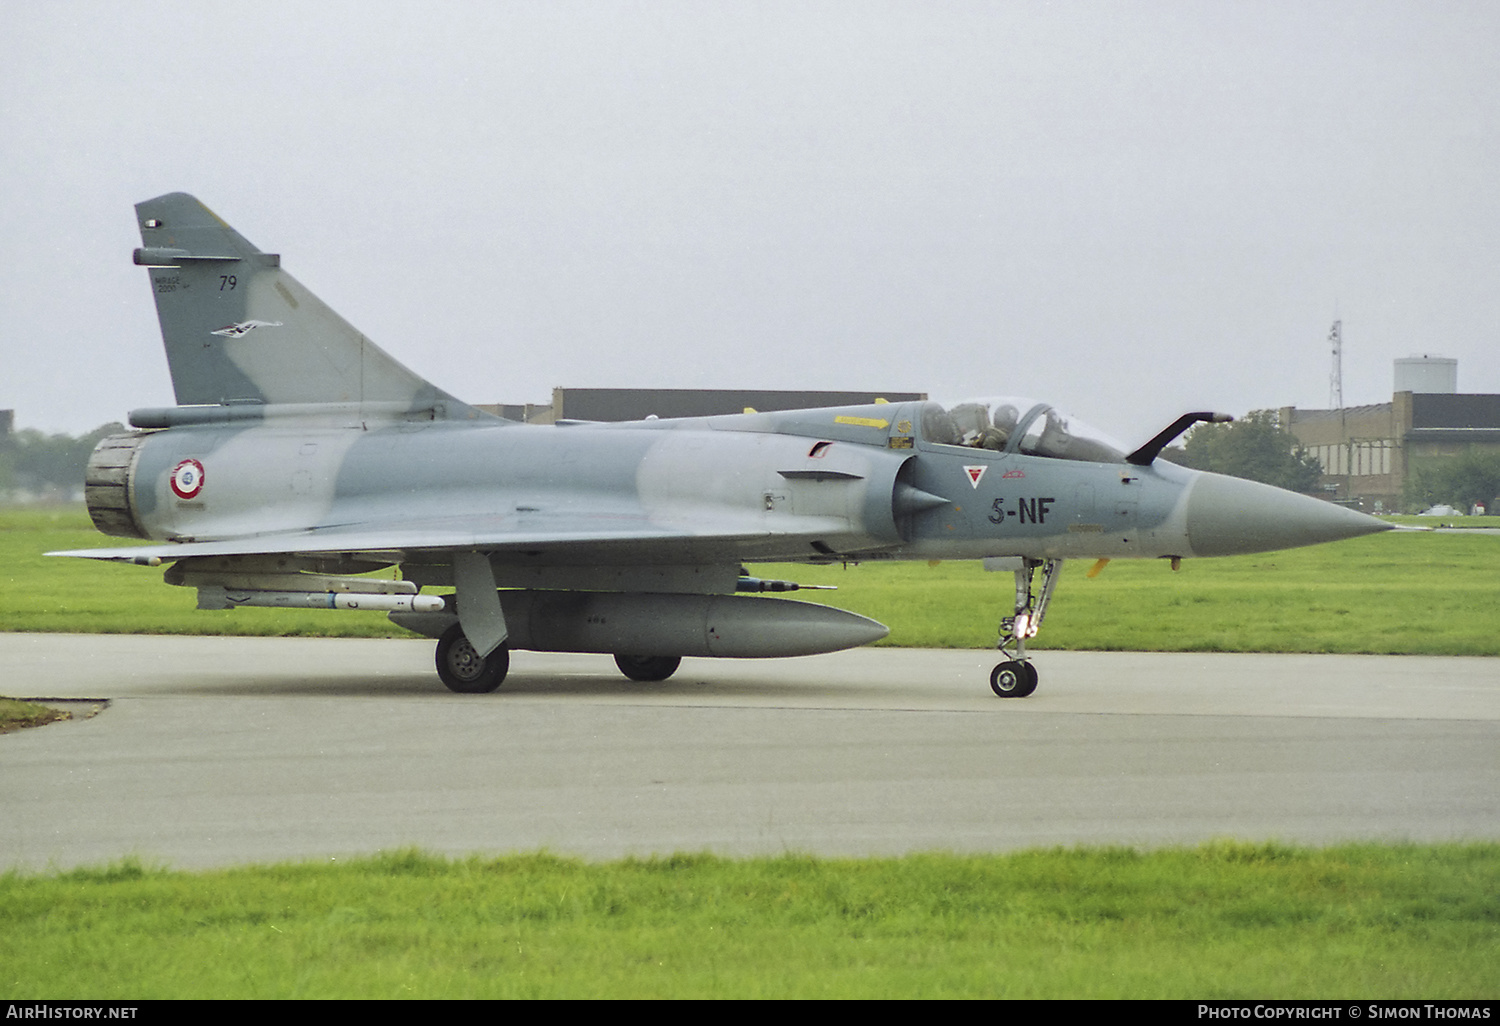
(1368, 452)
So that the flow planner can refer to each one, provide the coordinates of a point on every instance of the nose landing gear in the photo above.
(1016, 677)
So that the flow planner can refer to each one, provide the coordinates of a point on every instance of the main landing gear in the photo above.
(1016, 677)
(648, 668)
(464, 670)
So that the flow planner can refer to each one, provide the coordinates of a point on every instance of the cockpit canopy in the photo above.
(1011, 424)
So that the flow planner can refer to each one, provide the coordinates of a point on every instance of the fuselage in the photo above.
(851, 483)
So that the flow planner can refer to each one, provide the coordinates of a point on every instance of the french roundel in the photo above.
(187, 479)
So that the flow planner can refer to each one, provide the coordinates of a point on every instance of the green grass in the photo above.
(17, 715)
(1393, 593)
(1221, 921)
(1396, 593)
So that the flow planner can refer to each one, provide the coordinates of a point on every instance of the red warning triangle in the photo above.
(975, 473)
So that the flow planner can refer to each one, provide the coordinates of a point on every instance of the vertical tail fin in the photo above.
(237, 328)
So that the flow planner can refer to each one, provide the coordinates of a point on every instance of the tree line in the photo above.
(37, 464)
(1255, 447)
(1463, 481)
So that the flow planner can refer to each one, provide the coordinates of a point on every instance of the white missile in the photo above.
(226, 598)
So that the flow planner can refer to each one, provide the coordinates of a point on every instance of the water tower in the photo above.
(1427, 374)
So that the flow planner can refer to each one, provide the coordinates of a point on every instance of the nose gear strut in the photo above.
(1016, 677)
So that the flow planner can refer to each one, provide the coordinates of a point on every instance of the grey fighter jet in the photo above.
(301, 456)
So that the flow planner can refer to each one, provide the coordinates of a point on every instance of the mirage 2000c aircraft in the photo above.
(301, 455)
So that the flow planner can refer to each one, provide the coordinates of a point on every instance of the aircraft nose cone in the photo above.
(1229, 516)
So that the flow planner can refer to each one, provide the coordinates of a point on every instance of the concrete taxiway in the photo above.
(215, 751)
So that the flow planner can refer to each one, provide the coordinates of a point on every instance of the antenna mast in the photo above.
(1336, 378)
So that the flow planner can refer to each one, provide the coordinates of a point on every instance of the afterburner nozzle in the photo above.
(1229, 516)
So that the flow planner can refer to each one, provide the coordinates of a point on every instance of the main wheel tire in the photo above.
(1014, 679)
(462, 668)
(648, 668)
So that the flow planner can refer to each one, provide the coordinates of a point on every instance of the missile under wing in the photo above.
(300, 455)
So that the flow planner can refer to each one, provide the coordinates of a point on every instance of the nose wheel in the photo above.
(1016, 677)
(1013, 679)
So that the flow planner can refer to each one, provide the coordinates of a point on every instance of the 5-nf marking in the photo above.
(1032, 511)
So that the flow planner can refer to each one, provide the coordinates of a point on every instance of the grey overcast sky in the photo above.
(1130, 209)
